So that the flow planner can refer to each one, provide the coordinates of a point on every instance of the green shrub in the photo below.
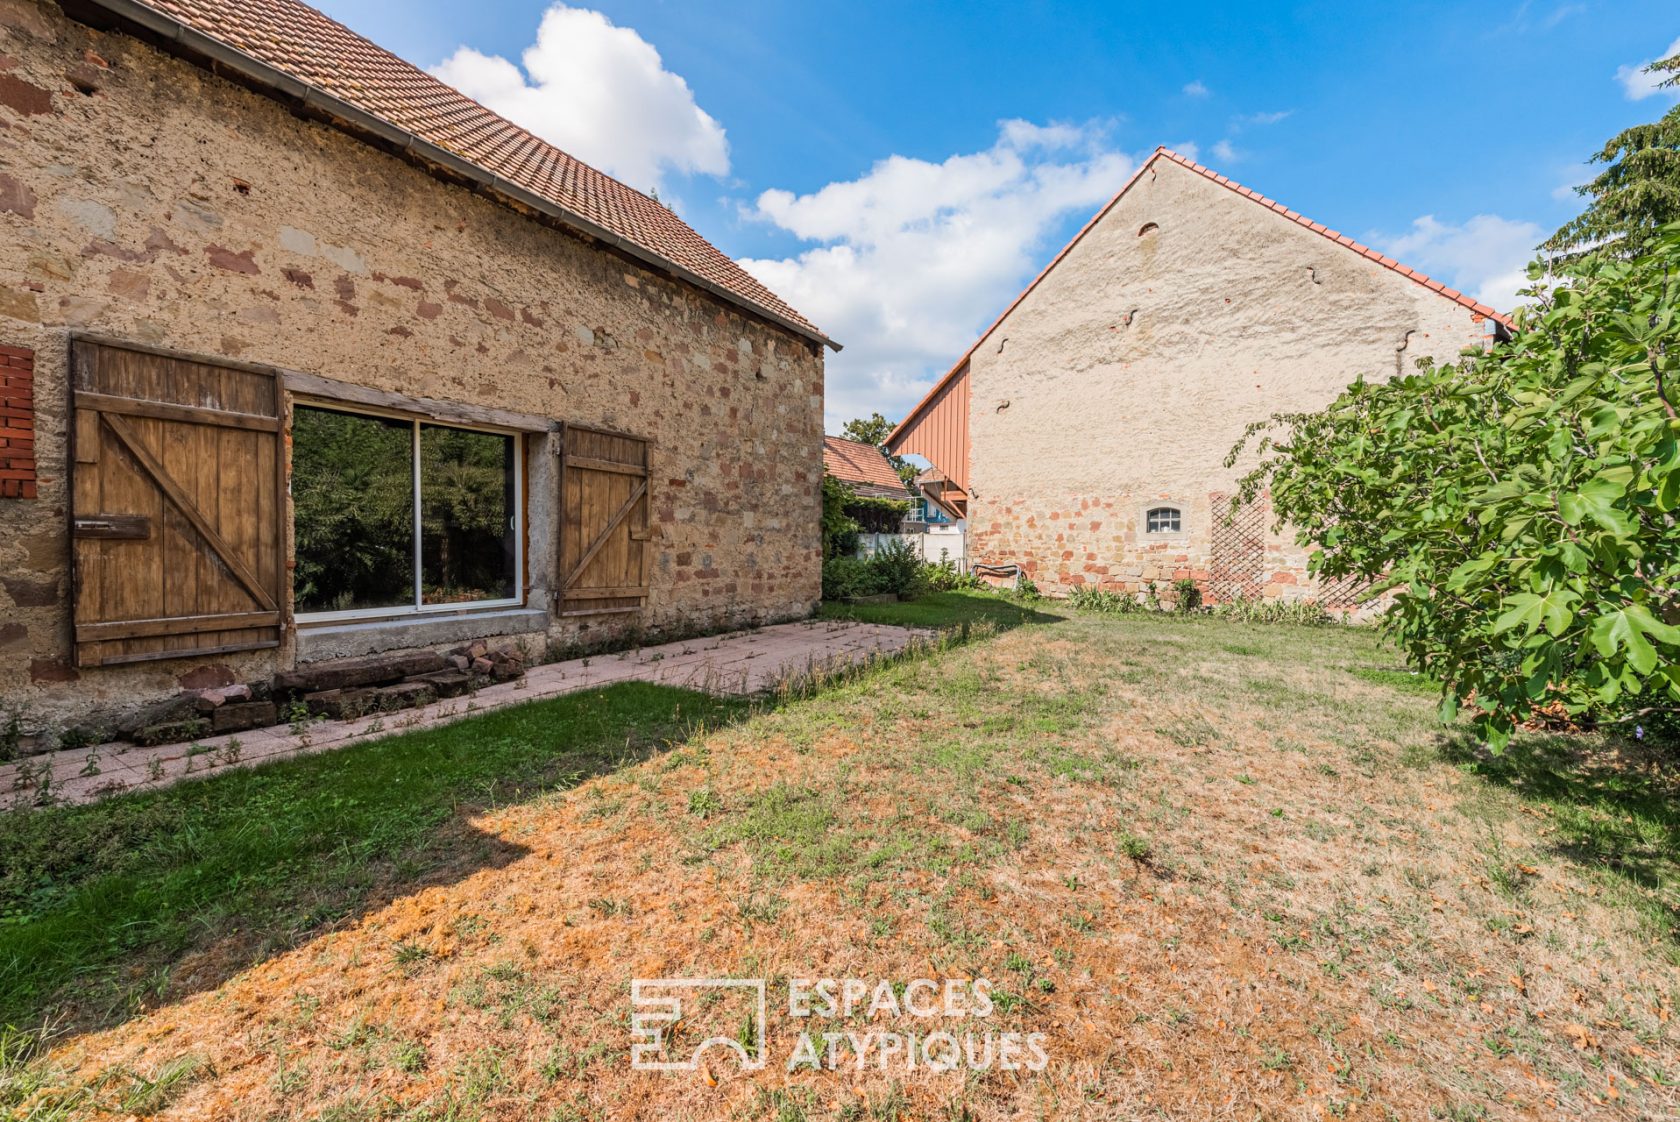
(839, 529)
(1090, 598)
(943, 576)
(1187, 597)
(1305, 613)
(875, 515)
(898, 568)
(1519, 504)
(845, 577)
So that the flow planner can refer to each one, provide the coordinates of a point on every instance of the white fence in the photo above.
(938, 543)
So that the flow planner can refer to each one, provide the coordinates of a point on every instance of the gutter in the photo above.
(170, 30)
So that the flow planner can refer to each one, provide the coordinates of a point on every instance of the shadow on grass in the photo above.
(1615, 805)
(946, 610)
(143, 899)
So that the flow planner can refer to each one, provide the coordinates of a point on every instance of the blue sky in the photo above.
(899, 171)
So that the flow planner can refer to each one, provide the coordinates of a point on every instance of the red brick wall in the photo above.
(17, 423)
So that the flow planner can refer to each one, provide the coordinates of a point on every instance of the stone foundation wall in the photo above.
(1125, 377)
(145, 199)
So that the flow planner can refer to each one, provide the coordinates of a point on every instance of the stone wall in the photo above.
(1126, 376)
(145, 199)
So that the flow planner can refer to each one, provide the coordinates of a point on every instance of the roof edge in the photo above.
(1163, 152)
(266, 77)
(1341, 239)
(849, 440)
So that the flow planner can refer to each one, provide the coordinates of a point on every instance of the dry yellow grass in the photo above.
(1224, 876)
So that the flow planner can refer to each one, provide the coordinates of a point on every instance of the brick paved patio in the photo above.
(742, 662)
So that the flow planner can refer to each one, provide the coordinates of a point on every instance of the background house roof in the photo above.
(308, 47)
(863, 466)
(1164, 153)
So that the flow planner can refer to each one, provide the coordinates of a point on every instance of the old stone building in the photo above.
(304, 354)
(1084, 434)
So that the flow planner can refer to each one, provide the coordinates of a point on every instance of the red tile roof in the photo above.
(308, 47)
(1164, 153)
(861, 465)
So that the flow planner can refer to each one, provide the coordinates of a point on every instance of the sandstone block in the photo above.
(239, 716)
(446, 683)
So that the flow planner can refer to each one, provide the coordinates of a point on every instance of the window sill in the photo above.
(347, 638)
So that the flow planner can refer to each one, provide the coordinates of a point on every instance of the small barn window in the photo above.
(1163, 520)
(1147, 228)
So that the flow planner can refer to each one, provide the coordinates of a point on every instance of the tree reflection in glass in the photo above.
(353, 510)
(467, 515)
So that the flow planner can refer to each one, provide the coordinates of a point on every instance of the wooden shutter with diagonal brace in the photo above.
(603, 521)
(177, 519)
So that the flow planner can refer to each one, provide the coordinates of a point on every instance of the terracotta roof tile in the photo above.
(304, 44)
(861, 465)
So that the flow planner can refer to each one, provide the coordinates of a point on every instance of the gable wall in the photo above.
(172, 208)
(1125, 377)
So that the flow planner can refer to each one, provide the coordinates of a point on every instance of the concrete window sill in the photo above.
(362, 637)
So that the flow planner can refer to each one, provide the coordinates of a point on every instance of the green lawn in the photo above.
(1213, 862)
(97, 902)
(948, 609)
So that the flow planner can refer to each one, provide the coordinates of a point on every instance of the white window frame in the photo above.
(1178, 511)
(418, 608)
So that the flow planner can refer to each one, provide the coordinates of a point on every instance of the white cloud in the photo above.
(1563, 12)
(1637, 84)
(601, 93)
(1225, 154)
(1196, 89)
(1576, 175)
(1524, 20)
(1485, 257)
(1263, 119)
(914, 258)
(1189, 149)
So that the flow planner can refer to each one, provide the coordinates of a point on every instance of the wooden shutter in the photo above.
(178, 481)
(603, 521)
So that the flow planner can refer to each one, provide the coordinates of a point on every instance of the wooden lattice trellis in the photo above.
(1344, 594)
(1237, 559)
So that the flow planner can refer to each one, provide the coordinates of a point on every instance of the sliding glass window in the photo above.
(394, 515)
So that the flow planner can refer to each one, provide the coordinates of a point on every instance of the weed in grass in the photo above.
(785, 1104)
(1006, 1002)
(408, 1056)
(703, 802)
(1135, 847)
(1188, 730)
(356, 1034)
(1407, 680)
(411, 956)
(298, 717)
(481, 1074)
(148, 1094)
